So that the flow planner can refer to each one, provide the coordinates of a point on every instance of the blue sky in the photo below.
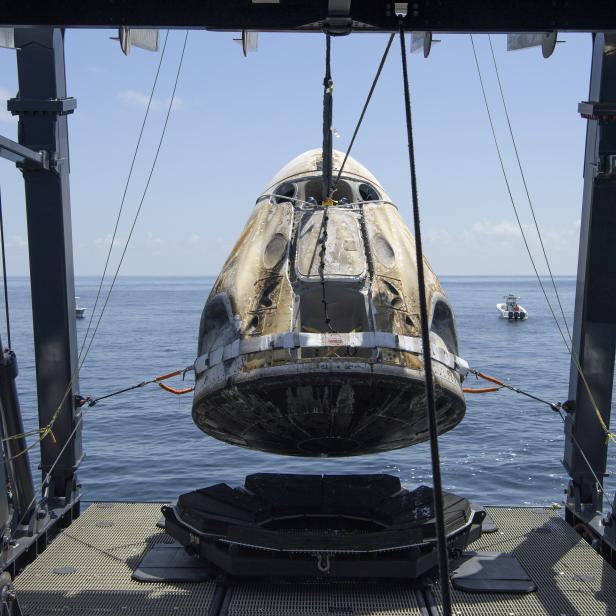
(238, 120)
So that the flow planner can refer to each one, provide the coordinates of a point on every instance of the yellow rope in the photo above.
(609, 436)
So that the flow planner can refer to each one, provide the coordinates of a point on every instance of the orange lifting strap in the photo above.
(174, 390)
(485, 390)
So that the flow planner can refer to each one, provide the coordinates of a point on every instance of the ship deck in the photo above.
(87, 570)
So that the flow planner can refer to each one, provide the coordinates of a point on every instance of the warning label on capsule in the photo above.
(334, 340)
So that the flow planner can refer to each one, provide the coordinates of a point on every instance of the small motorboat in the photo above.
(79, 310)
(510, 309)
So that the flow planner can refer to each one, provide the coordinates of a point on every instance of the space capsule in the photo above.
(310, 340)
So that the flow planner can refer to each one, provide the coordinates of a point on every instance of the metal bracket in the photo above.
(607, 167)
(58, 106)
(602, 112)
(24, 157)
(338, 22)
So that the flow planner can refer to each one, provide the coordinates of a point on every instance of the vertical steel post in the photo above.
(594, 330)
(42, 106)
(12, 425)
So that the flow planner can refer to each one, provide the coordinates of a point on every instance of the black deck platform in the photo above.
(87, 571)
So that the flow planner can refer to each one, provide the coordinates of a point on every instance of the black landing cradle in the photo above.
(360, 526)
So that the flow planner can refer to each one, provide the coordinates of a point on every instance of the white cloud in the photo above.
(106, 241)
(139, 99)
(153, 240)
(439, 236)
(500, 230)
(194, 238)
(506, 230)
(5, 116)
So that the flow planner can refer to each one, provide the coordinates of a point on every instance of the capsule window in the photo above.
(313, 191)
(284, 192)
(443, 326)
(368, 193)
(343, 193)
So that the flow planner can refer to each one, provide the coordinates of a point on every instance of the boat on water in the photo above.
(510, 309)
(79, 310)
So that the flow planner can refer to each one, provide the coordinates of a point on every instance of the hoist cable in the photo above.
(570, 349)
(328, 105)
(125, 191)
(555, 406)
(322, 252)
(506, 178)
(427, 356)
(599, 484)
(327, 158)
(363, 112)
(144, 193)
(558, 407)
(609, 435)
(523, 176)
(4, 279)
(157, 379)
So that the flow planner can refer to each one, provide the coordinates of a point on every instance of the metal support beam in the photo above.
(42, 106)
(16, 153)
(311, 15)
(594, 331)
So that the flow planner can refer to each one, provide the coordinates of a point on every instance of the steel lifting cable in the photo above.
(557, 407)
(363, 113)
(125, 191)
(145, 190)
(157, 379)
(570, 349)
(329, 187)
(610, 436)
(523, 176)
(48, 429)
(4, 279)
(425, 335)
(327, 158)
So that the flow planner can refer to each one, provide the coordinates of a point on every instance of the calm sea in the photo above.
(144, 446)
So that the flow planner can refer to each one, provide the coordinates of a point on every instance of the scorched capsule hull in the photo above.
(310, 340)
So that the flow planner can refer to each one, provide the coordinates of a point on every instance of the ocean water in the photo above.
(143, 445)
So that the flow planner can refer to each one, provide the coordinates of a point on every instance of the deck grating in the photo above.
(106, 544)
(322, 599)
(572, 579)
(104, 557)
